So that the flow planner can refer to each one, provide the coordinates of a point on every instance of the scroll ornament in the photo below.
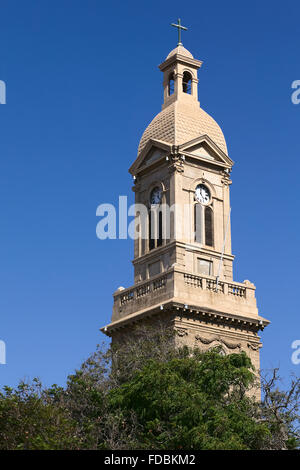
(220, 340)
(253, 346)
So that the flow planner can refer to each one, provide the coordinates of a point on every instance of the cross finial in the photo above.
(179, 30)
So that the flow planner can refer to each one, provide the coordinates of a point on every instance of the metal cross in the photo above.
(179, 30)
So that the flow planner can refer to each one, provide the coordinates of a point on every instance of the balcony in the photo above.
(193, 290)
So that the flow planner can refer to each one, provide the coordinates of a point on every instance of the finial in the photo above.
(179, 30)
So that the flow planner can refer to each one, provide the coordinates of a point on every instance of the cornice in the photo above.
(205, 315)
(181, 59)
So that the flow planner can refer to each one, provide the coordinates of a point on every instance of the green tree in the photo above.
(148, 394)
(31, 418)
(193, 402)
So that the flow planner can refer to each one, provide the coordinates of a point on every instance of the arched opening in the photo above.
(187, 83)
(155, 223)
(203, 216)
(198, 222)
(160, 230)
(171, 84)
(151, 230)
(208, 217)
(155, 227)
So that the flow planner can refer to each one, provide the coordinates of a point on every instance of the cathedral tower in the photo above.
(182, 254)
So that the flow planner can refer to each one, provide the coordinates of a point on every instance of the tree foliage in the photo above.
(147, 394)
(31, 419)
(194, 402)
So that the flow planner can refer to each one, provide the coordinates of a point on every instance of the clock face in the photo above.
(155, 197)
(202, 194)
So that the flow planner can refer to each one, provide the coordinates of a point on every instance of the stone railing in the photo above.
(231, 288)
(131, 294)
(182, 286)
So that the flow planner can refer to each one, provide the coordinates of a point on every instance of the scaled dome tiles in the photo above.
(179, 123)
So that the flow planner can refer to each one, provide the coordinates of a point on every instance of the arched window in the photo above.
(155, 227)
(187, 83)
(171, 84)
(198, 222)
(151, 230)
(208, 223)
(155, 219)
(160, 239)
(203, 216)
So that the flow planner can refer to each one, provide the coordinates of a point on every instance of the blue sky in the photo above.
(82, 84)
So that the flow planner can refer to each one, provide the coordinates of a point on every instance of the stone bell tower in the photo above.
(182, 255)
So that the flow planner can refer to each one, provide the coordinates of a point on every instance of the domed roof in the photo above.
(180, 50)
(179, 123)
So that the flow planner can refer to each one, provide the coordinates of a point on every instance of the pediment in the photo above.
(153, 151)
(154, 154)
(205, 149)
(202, 150)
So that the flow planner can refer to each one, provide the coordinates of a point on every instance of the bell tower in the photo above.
(183, 263)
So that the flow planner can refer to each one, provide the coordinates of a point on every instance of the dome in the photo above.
(180, 50)
(179, 123)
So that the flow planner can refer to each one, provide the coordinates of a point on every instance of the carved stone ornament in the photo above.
(176, 164)
(253, 346)
(220, 340)
(181, 332)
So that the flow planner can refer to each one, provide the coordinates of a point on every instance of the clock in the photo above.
(155, 196)
(202, 194)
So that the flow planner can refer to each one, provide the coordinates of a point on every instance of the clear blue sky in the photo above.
(82, 84)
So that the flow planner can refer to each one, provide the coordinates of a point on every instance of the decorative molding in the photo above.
(182, 332)
(226, 178)
(204, 340)
(218, 339)
(254, 346)
(176, 164)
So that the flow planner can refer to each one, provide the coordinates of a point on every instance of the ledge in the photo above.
(202, 314)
